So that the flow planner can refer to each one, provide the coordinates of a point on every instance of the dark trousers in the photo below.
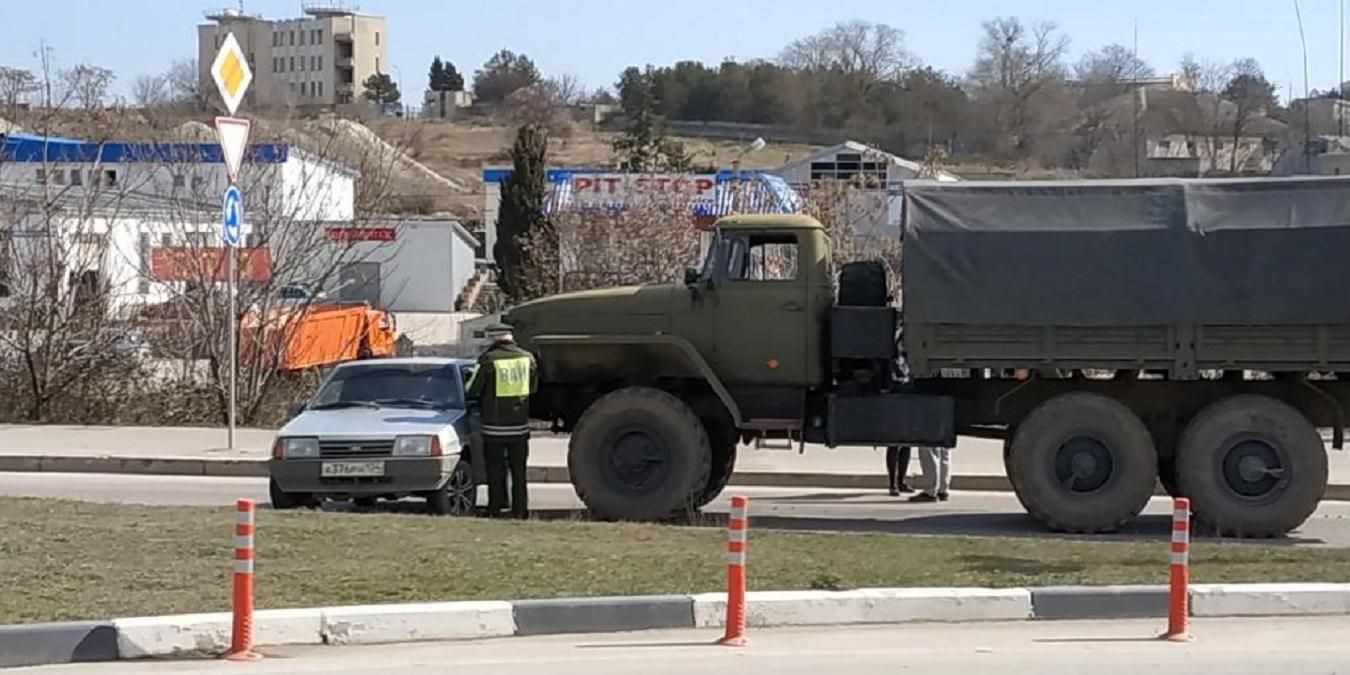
(897, 465)
(501, 454)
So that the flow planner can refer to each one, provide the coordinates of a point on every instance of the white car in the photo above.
(381, 429)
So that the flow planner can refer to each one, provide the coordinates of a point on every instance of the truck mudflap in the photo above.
(891, 419)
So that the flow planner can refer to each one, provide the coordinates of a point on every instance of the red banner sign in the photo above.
(183, 263)
(361, 234)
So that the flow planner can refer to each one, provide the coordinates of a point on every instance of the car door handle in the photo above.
(792, 306)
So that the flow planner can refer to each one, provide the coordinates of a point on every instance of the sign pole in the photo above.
(233, 343)
(232, 75)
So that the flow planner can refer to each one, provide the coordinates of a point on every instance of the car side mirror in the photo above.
(691, 275)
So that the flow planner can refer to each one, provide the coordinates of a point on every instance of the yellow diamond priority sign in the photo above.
(231, 73)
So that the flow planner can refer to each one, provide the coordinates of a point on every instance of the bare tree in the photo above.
(87, 85)
(541, 105)
(1015, 69)
(873, 51)
(566, 88)
(1204, 116)
(184, 83)
(651, 240)
(16, 86)
(1252, 96)
(299, 237)
(1103, 76)
(60, 338)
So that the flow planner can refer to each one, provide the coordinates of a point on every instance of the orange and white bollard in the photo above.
(1178, 605)
(241, 635)
(737, 529)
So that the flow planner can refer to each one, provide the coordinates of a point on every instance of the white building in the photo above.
(133, 215)
(415, 265)
(881, 173)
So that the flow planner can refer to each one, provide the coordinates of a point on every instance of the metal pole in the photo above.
(233, 348)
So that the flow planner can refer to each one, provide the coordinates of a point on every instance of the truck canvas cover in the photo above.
(1128, 253)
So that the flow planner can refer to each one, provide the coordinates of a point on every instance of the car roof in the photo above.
(410, 361)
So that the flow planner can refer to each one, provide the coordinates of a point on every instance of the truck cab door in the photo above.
(761, 318)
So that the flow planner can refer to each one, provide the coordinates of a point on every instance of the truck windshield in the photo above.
(431, 386)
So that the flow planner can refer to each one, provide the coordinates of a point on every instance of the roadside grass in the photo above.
(64, 560)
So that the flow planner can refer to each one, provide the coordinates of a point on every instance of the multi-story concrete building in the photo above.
(321, 59)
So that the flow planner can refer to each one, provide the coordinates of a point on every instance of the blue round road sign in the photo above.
(232, 221)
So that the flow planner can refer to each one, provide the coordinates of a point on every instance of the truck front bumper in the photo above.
(398, 476)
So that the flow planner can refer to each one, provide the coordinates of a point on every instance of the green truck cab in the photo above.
(1083, 323)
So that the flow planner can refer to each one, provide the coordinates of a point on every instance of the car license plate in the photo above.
(351, 469)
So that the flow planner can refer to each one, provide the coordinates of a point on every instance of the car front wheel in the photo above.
(459, 495)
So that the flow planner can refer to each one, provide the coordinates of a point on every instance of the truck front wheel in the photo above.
(639, 454)
(1252, 466)
(1082, 463)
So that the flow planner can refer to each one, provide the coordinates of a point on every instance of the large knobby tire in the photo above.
(639, 454)
(723, 465)
(1252, 466)
(1082, 463)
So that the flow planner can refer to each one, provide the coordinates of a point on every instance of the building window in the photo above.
(292, 67)
(377, 38)
(302, 38)
(110, 178)
(320, 63)
(320, 33)
(198, 182)
(321, 89)
(292, 38)
(76, 177)
(377, 65)
(41, 176)
(274, 39)
(178, 180)
(58, 177)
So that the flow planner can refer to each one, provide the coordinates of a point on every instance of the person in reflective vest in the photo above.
(502, 383)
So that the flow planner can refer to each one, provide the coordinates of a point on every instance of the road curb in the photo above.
(1099, 602)
(257, 468)
(207, 635)
(54, 643)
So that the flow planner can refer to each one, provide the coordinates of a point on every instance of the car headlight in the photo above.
(296, 448)
(417, 446)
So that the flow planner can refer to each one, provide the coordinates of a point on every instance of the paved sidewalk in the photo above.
(977, 463)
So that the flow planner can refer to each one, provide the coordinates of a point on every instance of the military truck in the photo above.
(1111, 333)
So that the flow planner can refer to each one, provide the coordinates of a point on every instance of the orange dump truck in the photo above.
(327, 333)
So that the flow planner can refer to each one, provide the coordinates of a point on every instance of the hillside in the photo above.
(433, 166)
(459, 151)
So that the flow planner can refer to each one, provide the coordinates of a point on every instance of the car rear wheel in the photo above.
(459, 495)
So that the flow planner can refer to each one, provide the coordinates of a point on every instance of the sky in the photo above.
(594, 40)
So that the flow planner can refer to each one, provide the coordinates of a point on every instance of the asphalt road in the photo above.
(968, 513)
(1228, 646)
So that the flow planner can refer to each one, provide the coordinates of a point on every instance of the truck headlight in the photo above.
(296, 448)
(417, 446)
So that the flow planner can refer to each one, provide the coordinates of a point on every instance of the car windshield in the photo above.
(431, 386)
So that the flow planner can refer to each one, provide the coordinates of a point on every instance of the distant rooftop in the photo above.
(332, 8)
(38, 149)
(231, 14)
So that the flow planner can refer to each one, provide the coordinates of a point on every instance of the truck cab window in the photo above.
(763, 258)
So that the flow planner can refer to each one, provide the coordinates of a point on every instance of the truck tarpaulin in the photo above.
(1273, 251)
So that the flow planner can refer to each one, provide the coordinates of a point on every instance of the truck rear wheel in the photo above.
(639, 454)
(1252, 466)
(1082, 463)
